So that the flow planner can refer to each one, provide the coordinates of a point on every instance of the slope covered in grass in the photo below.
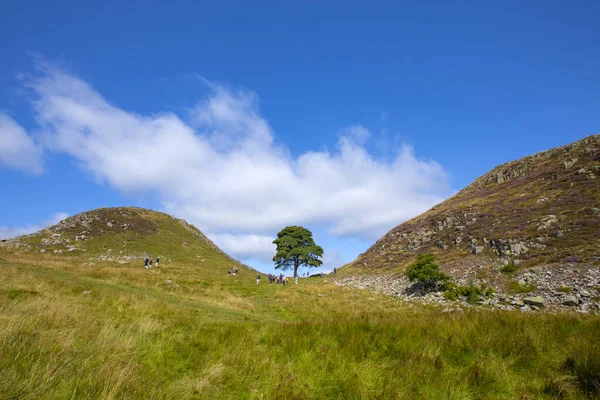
(124, 234)
(73, 330)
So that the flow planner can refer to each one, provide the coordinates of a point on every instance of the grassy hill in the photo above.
(124, 235)
(540, 210)
(93, 323)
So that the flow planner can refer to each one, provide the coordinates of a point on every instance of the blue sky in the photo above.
(344, 117)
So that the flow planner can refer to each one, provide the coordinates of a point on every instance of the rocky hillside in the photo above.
(122, 234)
(539, 211)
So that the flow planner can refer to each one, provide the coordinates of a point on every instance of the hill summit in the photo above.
(123, 234)
(539, 209)
(539, 214)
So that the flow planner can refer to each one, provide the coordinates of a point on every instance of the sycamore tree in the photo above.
(296, 247)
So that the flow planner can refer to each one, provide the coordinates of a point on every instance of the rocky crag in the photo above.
(541, 212)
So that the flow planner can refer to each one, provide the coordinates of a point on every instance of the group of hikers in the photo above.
(148, 262)
(275, 279)
(283, 280)
(496, 244)
(233, 271)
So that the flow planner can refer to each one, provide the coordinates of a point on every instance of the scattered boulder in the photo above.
(569, 163)
(87, 292)
(478, 249)
(536, 301)
(570, 301)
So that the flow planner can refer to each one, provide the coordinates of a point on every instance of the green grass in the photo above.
(509, 268)
(208, 335)
(515, 288)
(565, 289)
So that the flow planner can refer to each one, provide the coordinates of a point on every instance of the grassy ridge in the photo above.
(212, 336)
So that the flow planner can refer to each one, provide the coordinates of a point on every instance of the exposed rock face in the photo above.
(540, 209)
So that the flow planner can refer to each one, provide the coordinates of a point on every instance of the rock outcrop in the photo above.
(539, 211)
(536, 210)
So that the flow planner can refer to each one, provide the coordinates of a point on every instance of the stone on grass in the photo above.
(571, 301)
(537, 301)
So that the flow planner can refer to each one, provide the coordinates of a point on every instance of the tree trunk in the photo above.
(296, 265)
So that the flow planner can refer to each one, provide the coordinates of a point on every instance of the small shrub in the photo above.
(427, 272)
(515, 288)
(472, 293)
(509, 268)
(451, 295)
(565, 289)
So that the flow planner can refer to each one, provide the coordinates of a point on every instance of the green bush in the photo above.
(427, 272)
(509, 268)
(472, 293)
(565, 289)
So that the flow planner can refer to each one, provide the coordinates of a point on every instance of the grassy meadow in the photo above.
(189, 332)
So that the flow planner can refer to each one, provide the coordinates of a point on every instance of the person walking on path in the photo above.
(150, 263)
(296, 280)
(258, 279)
(146, 262)
(157, 260)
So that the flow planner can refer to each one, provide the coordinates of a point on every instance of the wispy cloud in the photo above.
(7, 232)
(17, 148)
(224, 171)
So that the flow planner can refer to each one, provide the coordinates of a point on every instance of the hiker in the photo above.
(501, 251)
(258, 279)
(296, 279)
(157, 260)
(335, 271)
(150, 263)
(146, 262)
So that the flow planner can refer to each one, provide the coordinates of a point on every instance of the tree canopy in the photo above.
(427, 272)
(296, 247)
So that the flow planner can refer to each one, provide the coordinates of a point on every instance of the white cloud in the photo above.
(7, 232)
(255, 247)
(332, 259)
(225, 173)
(358, 133)
(17, 149)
